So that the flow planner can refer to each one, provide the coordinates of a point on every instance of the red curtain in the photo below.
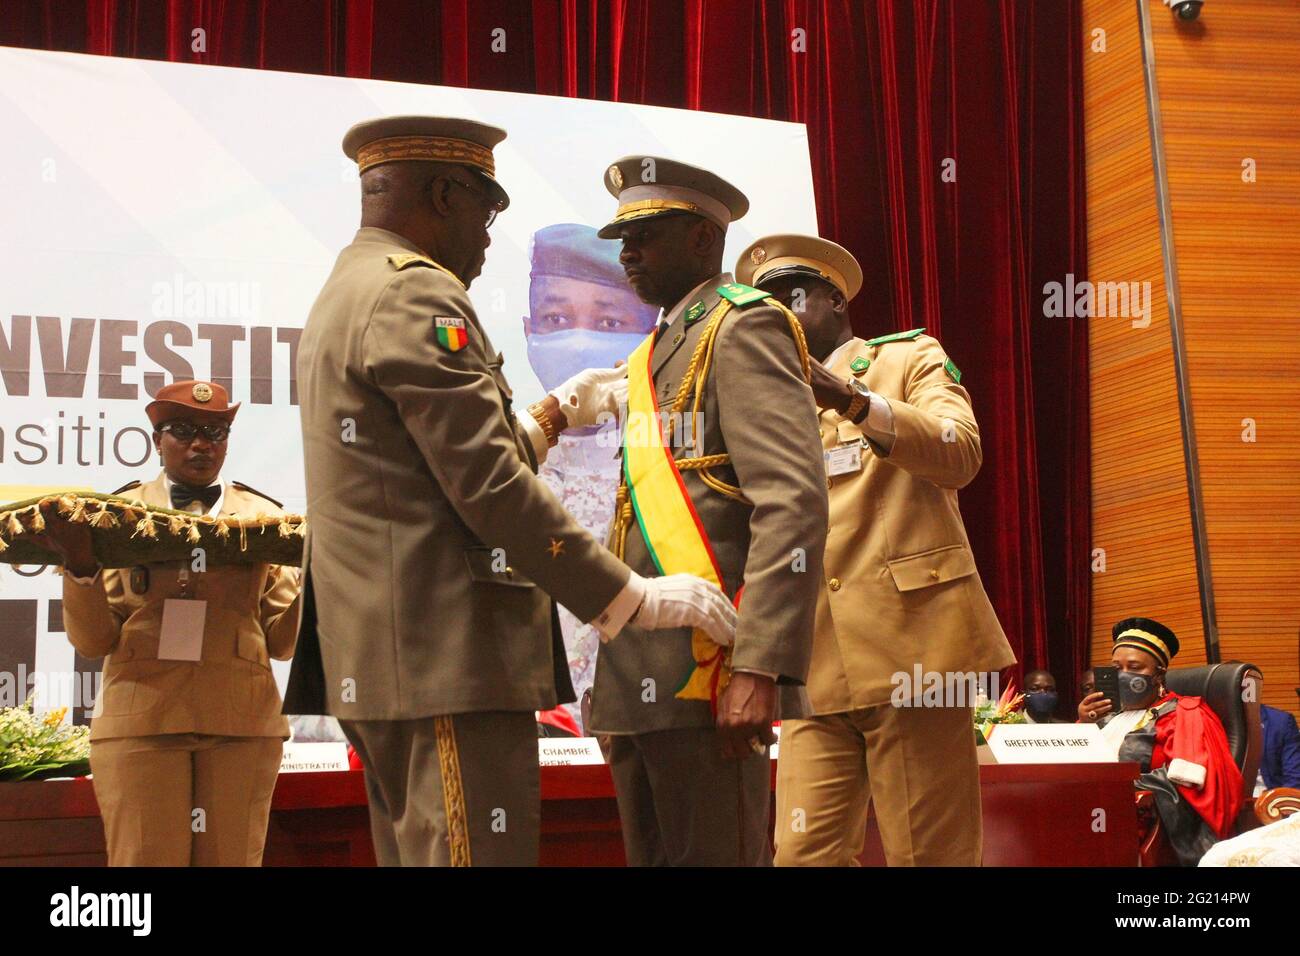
(947, 153)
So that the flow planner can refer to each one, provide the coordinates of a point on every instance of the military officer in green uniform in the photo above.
(434, 550)
(726, 371)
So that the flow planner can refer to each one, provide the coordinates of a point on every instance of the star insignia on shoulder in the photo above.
(556, 548)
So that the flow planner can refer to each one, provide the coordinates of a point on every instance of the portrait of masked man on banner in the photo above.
(582, 314)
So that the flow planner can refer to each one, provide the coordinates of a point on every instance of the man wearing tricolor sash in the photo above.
(434, 550)
(723, 479)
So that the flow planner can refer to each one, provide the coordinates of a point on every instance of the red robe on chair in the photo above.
(1192, 732)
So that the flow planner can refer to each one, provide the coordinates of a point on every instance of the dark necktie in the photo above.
(660, 329)
(183, 495)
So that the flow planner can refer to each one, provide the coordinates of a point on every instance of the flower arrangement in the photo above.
(32, 745)
(1005, 711)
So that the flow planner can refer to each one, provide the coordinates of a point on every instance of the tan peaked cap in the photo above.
(648, 186)
(789, 253)
(441, 139)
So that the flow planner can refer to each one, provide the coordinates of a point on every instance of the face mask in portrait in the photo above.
(1136, 691)
(558, 356)
(1041, 703)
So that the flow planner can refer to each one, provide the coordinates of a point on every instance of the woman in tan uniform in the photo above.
(186, 734)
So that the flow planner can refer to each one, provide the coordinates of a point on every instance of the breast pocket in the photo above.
(847, 432)
(928, 568)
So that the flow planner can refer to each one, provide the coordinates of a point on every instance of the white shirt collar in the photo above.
(840, 350)
(216, 506)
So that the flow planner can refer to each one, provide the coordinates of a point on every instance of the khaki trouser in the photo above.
(915, 765)
(460, 790)
(682, 804)
(185, 799)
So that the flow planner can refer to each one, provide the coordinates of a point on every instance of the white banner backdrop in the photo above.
(167, 221)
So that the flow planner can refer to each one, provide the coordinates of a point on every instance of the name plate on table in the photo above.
(568, 751)
(1049, 743)
(313, 757)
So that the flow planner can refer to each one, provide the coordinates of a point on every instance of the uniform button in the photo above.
(835, 584)
(830, 483)
(934, 573)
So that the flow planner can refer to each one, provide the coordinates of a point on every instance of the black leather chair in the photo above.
(1224, 687)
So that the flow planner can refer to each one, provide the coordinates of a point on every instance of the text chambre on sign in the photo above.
(103, 361)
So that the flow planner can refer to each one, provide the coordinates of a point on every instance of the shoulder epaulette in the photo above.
(400, 260)
(742, 295)
(126, 487)
(895, 337)
(253, 491)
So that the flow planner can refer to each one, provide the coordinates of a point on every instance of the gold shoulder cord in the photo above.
(693, 382)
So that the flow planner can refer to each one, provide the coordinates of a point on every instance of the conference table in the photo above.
(1034, 815)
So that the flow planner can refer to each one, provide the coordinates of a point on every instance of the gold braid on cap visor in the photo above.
(433, 148)
(1146, 641)
(646, 207)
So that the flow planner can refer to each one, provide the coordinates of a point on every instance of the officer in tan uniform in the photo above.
(900, 593)
(186, 733)
(434, 550)
(690, 767)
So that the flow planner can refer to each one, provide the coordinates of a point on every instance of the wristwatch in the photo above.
(860, 404)
(538, 411)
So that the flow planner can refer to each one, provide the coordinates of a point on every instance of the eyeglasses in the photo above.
(492, 212)
(186, 431)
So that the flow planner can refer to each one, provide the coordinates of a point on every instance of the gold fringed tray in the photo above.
(125, 533)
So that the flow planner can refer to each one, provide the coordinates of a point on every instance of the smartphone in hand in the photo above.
(1107, 681)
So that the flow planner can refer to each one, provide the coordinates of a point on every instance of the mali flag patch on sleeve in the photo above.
(451, 332)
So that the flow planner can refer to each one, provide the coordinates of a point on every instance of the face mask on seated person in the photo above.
(1136, 691)
(1041, 704)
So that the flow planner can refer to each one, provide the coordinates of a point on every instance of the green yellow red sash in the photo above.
(669, 523)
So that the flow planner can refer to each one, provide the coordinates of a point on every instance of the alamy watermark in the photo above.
(51, 689)
(919, 688)
(1088, 300)
(638, 429)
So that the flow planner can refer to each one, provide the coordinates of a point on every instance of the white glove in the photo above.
(592, 391)
(683, 600)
